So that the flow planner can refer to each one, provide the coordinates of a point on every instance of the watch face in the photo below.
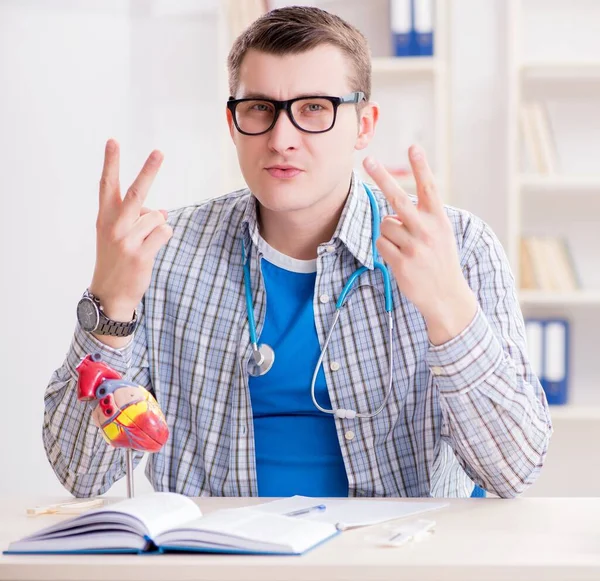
(87, 314)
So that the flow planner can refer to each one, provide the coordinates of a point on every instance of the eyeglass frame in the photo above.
(352, 98)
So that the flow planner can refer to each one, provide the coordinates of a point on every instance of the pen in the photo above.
(307, 510)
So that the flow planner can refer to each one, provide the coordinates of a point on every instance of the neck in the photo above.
(299, 233)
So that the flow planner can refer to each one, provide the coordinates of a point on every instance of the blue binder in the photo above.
(423, 11)
(401, 23)
(549, 351)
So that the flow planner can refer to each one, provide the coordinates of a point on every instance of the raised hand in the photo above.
(419, 246)
(128, 237)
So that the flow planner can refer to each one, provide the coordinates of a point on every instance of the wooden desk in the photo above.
(475, 539)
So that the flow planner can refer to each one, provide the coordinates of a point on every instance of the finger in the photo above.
(145, 210)
(136, 194)
(109, 181)
(427, 193)
(395, 195)
(145, 224)
(390, 253)
(395, 232)
(157, 238)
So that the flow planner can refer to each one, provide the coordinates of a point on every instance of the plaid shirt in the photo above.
(470, 410)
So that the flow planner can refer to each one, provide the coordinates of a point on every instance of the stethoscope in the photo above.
(263, 355)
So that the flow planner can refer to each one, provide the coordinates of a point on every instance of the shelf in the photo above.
(562, 71)
(575, 412)
(573, 298)
(406, 65)
(560, 183)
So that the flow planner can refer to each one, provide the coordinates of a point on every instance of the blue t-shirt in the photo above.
(297, 448)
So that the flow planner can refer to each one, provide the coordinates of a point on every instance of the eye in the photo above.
(314, 107)
(258, 107)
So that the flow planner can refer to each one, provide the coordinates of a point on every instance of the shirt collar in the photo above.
(249, 224)
(354, 228)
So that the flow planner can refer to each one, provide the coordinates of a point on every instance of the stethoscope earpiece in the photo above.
(345, 414)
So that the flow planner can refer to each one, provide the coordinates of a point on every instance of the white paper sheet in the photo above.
(346, 513)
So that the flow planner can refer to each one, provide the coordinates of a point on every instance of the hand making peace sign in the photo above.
(128, 237)
(418, 242)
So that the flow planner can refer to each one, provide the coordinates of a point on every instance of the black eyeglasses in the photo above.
(309, 114)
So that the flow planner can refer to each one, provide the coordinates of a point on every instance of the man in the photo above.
(463, 405)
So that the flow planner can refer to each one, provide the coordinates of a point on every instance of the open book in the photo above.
(165, 521)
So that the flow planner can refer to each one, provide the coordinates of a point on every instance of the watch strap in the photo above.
(107, 326)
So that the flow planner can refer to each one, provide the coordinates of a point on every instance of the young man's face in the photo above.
(323, 161)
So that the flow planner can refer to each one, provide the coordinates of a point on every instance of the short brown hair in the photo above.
(296, 29)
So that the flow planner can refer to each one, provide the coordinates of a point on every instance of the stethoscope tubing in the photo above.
(264, 356)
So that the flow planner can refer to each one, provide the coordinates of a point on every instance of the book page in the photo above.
(235, 527)
(158, 511)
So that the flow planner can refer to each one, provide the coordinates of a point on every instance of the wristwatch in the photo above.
(92, 319)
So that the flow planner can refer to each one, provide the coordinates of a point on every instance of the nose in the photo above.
(284, 135)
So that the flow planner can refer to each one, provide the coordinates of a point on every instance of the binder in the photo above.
(548, 342)
(401, 22)
(423, 27)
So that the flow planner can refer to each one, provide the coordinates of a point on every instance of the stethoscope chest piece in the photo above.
(261, 361)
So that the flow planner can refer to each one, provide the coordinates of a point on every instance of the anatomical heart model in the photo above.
(127, 414)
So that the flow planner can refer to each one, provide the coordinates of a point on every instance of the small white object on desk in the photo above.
(399, 535)
(76, 506)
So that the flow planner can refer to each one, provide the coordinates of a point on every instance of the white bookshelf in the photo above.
(407, 65)
(541, 298)
(557, 71)
(565, 78)
(520, 184)
(572, 184)
(575, 413)
(393, 73)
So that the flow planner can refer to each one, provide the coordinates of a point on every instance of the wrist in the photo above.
(114, 308)
(451, 317)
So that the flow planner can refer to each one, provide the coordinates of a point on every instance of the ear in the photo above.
(366, 124)
(230, 123)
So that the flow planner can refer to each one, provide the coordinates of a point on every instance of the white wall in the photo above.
(73, 74)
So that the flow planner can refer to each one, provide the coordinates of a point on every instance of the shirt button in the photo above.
(330, 249)
(436, 370)
(324, 298)
(349, 435)
(334, 366)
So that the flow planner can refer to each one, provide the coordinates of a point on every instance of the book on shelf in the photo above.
(538, 139)
(412, 27)
(548, 349)
(547, 265)
(162, 522)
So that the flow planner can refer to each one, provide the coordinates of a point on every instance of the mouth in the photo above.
(283, 171)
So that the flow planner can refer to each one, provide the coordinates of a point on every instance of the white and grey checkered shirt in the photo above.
(470, 410)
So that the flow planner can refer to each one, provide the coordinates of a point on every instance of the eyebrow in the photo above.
(256, 95)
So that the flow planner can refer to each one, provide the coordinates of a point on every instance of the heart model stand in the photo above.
(127, 414)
